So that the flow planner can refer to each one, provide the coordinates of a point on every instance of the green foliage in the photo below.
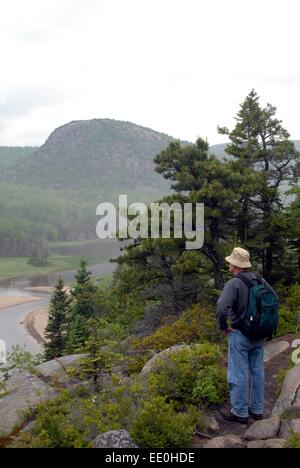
(282, 372)
(211, 386)
(3, 390)
(57, 323)
(197, 324)
(29, 213)
(84, 291)
(98, 359)
(82, 308)
(158, 425)
(216, 184)
(293, 299)
(280, 379)
(134, 362)
(293, 441)
(83, 278)
(73, 420)
(77, 334)
(289, 311)
(58, 425)
(175, 376)
(288, 321)
(20, 359)
(120, 401)
(282, 290)
(19, 267)
(160, 275)
(11, 156)
(39, 254)
(292, 262)
(121, 303)
(260, 143)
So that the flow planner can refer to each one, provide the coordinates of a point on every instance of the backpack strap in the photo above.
(245, 280)
(248, 282)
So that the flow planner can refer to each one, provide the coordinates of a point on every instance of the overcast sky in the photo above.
(178, 66)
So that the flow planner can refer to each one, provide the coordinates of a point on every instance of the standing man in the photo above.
(245, 357)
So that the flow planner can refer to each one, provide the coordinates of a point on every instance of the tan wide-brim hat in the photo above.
(239, 258)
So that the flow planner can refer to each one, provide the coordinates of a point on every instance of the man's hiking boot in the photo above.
(256, 417)
(230, 417)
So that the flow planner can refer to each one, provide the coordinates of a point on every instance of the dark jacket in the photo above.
(234, 300)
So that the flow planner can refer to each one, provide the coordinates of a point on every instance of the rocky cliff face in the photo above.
(99, 152)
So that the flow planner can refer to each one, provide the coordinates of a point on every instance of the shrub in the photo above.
(62, 423)
(282, 290)
(54, 432)
(176, 376)
(288, 321)
(211, 385)
(120, 402)
(158, 425)
(134, 363)
(293, 441)
(20, 359)
(289, 312)
(293, 299)
(196, 324)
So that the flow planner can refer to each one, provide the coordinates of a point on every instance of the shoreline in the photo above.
(51, 270)
(35, 324)
(11, 301)
(46, 289)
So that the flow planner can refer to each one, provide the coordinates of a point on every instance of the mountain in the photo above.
(96, 154)
(52, 192)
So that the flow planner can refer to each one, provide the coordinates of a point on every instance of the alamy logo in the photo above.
(2, 352)
(188, 221)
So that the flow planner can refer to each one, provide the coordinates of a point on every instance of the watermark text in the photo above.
(160, 221)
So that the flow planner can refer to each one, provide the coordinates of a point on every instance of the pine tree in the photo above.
(97, 359)
(202, 178)
(291, 263)
(83, 307)
(260, 142)
(56, 328)
(167, 275)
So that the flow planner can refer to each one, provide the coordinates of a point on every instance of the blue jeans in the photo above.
(246, 377)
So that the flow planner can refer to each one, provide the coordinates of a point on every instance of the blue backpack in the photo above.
(260, 320)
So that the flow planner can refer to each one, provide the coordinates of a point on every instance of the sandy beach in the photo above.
(35, 324)
(45, 289)
(11, 301)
